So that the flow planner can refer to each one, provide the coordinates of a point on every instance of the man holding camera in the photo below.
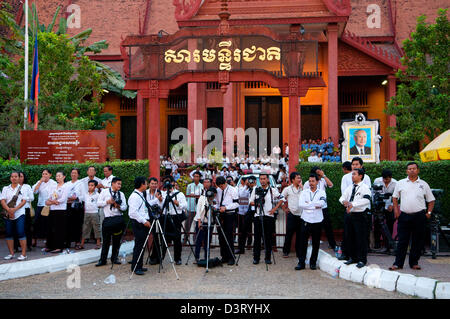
(356, 199)
(193, 192)
(383, 189)
(227, 200)
(245, 215)
(205, 202)
(113, 202)
(264, 222)
(139, 215)
(412, 213)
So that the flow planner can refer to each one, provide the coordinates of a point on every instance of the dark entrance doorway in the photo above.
(128, 137)
(174, 122)
(264, 112)
(311, 122)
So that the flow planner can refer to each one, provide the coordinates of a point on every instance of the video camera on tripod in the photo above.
(380, 201)
(380, 198)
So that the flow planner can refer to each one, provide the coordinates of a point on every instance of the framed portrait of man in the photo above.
(361, 138)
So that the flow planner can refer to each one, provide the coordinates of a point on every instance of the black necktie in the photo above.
(353, 193)
(221, 199)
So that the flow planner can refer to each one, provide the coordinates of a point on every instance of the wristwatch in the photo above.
(429, 213)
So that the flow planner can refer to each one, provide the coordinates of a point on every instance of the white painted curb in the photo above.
(406, 284)
(443, 290)
(425, 287)
(372, 276)
(56, 263)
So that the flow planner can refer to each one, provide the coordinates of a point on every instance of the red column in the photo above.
(140, 118)
(228, 118)
(196, 114)
(154, 138)
(294, 131)
(392, 88)
(333, 116)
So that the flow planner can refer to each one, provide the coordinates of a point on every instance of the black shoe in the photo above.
(300, 266)
(255, 261)
(139, 272)
(230, 262)
(349, 262)
(178, 262)
(144, 269)
(130, 262)
(224, 261)
(117, 262)
(285, 255)
(313, 267)
(360, 264)
(100, 263)
(268, 262)
(343, 258)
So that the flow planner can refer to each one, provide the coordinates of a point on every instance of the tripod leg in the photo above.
(226, 240)
(189, 242)
(143, 248)
(168, 251)
(264, 239)
(190, 253)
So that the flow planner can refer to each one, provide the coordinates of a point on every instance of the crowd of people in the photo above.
(242, 206)
(321, 150)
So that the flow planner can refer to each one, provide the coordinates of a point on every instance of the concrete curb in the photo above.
(56, 263)
(374, 277)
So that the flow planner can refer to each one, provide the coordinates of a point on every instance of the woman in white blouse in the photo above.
(57, 201)
(41, 222)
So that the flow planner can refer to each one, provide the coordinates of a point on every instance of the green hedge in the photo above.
(436, 174)
(126, 170)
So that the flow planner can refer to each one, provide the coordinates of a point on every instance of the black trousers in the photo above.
(326, 224)
(269, 229)
(314, 230)
(410, 226)
(57, 223)
(227, 221)
(293, 225)
(356, 236)
(377, 227)
(344, 245)
(202, 239)
(40, 230)
(140, 235)
(112, 230)
(75, 219)
(172, 232)
(245, 230)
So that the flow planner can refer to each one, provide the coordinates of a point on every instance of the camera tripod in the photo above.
(219, 225)
(260, 203)
(435, 230)
(387, 236)
(158, 229)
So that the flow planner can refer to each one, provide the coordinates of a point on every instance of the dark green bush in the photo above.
(436, 174)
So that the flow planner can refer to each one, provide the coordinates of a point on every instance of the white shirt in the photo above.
(43, 191)
(244, 195)
(85, 181)
(309, 200)
(193, 189)
(105, 196)
(230, 198)
(322, 185)
(181, 201)
(107, 181)
(202, 210)
(361, 201)
(90, 202)
(137, 209)
(59, 193)
(267, 201)
(243, 166)
(28, 195)
(412, 195)
(313, 159)
(347, 181)
(149, 195)
(292, 195)
(8, 193)
(75, 188)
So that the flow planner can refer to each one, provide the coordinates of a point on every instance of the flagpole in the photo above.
(25, 111)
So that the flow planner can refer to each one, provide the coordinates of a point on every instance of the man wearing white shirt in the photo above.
(201, 219)
(264, 220)
(140, 220)
(227, 200)
(245, 217)
(91, 171)
(193, 192)
(113, 202)
(108, 172)
(356, 200)
(312, 200)
(16, 216)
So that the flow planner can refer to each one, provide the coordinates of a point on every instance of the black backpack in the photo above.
(213, 262)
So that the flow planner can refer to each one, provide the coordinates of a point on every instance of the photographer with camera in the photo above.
(383, 188)
(227, 202)
(113, 202)
(193, 192)
(201, 218)
(264, 198)
(356, 200)
(414, 194)
(174, 204)
(245, 218)
(139, 212)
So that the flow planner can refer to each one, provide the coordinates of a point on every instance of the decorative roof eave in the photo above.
(339, 7)
(368, 48)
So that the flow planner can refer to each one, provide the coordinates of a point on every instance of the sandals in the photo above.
(79, 247)
(395, 267)
(98, 246)
(56, 251)
(416, 267)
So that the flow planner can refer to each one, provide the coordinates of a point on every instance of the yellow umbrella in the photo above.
(438, 149)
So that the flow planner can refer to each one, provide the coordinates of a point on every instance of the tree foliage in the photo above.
(421, 104)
